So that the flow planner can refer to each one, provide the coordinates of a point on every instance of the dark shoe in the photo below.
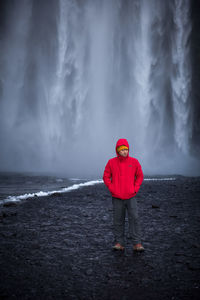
(138, 247)
(118, 247)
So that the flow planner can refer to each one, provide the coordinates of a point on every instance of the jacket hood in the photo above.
(121, 142)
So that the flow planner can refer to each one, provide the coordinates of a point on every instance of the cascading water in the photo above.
(181, 81)
(76, 76)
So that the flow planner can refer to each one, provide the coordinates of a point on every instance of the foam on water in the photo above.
(67, 189)
(162, 179)
(48, 193)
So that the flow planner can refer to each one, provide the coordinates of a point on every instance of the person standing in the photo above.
(123, 176)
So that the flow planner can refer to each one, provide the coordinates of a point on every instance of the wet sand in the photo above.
(60, 247)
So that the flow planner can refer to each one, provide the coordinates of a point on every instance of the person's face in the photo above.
(123, 152)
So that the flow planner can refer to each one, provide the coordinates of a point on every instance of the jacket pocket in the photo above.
(137, 189)
(131, 188)
(111, 188)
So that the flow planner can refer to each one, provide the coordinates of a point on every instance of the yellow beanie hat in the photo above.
(122, 148)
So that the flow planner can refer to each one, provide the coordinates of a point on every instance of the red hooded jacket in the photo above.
(123, 175)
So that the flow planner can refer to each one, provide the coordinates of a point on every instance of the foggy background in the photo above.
(75, 76)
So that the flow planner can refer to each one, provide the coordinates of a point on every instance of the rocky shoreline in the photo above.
(59, 247)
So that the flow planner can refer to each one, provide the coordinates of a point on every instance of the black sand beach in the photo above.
(59, 247)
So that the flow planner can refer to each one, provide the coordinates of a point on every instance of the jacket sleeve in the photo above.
(138, 177)
(107, 175)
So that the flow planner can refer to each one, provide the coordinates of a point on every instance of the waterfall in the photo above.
(13, 55)
(76, 76)
(181, 79)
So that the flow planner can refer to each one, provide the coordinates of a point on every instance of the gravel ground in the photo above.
(60, 247)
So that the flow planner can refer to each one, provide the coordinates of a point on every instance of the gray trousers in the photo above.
(119, 213)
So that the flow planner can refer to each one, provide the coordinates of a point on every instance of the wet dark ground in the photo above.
(59, 247)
